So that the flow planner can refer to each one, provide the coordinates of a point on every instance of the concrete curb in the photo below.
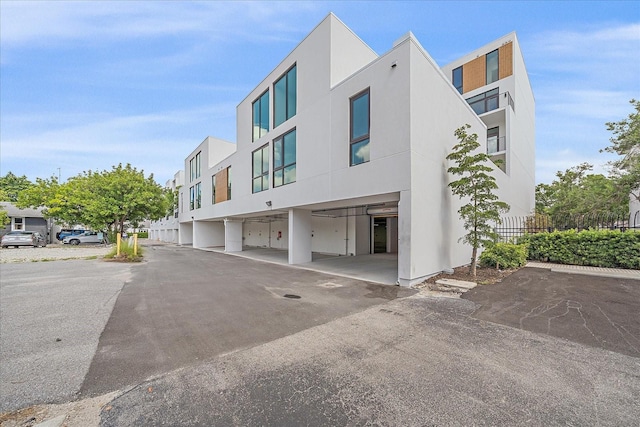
(616, 273)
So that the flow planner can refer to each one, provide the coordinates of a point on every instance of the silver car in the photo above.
(86, 237)
(23, 238)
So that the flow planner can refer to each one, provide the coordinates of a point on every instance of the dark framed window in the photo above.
(261, 169)
(192, 198)
(457, 78)
(484, 102)
(493, 140)
(492, 66)
(229, 183)
(261, 116)
(284, 159)
(359, 124)
(195, 167)
(198, 198)
(285, 97)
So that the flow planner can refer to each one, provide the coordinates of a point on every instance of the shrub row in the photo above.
(504, 255)
(599, 248)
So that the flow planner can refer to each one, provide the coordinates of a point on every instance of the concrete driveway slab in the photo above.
(184, 306)
(601, 312)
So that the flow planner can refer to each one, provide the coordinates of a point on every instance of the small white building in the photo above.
(166, 229)
(342, 151)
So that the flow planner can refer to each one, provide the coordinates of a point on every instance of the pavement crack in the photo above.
(618, 329)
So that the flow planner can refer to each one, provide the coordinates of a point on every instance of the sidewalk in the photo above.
(617, 273)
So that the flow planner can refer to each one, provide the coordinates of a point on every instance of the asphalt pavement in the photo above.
(184, 306)
(602, 312)
(51, 317)
(415, 361)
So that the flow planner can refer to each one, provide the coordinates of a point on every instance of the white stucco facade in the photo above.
(397, 200)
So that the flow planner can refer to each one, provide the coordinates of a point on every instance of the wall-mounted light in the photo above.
(394, 64)
(268, 203)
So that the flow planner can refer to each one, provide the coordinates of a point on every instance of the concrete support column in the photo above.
(232, 235)
(405, 270)
(299, 236)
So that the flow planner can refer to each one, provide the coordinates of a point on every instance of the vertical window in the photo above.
(493, 140)
(192, 198)
(261, 116)
(457, 78)
(285, 97)
(229, 183)
(213, 190)
(198, 195)
(194, 167)
(261, 169)
(284, 159)
(492, 66)
(359, 128)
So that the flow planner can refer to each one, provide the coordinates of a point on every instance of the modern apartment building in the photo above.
(342, 151)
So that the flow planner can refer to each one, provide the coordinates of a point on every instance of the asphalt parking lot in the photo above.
(597, 311)
(198, 338)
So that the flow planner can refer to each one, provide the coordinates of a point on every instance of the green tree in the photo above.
(11, 186)
(576, 192)
(107, 199)
(477, 186)
(625, 142)
(4, 216)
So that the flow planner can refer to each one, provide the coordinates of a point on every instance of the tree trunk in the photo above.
(472, 267)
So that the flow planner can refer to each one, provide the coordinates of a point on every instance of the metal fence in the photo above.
(513, 227)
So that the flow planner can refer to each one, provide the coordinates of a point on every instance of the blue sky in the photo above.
(88, 85)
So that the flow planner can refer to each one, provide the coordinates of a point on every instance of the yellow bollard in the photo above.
(118, 240)
(135, 244)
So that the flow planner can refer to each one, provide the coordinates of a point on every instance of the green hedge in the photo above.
(599, 248)
(504, 255)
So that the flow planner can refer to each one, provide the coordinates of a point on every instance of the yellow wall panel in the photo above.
(473, 74)
(221, 186)
(505, 60)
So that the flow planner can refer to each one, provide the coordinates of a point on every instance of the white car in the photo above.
(86, 237)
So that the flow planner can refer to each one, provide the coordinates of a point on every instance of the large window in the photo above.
(261, 169)
(198, 195)
(261, 116)
(285, 97)
(192, 198)
(195, 167)
(484, 102)
(457, 78)
(493, 140)
(284, 159)
(213, 190)
(492, 66)
(359, 128)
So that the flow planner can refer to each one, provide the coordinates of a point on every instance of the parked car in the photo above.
(23, 238)
(86, 237)
(68, 232)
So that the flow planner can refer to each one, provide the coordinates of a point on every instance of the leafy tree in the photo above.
(576, 192)
(626, 143)
(11, 186)
(4, 216)
(107, 199)
(476, 185)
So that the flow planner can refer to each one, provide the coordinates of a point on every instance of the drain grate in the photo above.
(292, 296)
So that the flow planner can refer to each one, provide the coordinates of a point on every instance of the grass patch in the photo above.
(126, 254)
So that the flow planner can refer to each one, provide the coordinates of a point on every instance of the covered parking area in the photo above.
(354, 240)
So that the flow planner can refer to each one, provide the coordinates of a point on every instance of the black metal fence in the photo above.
(513, 227)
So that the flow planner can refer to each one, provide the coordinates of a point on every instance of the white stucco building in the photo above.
(342, 151)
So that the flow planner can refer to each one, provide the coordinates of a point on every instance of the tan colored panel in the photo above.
(505, 60)
(221, 186)
(473, 74)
